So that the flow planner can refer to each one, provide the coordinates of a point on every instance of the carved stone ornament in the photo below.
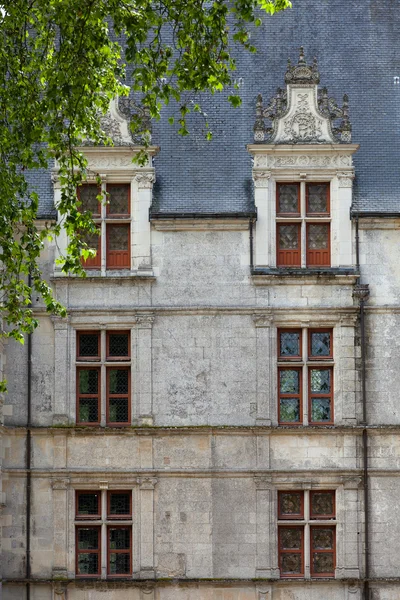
(261, 178)
(262, 320)
(345, 180)
(145, 180)
(263, 483)
(145, 321)
(361, 292)
(116, 126)
(60, 590)
(147, 483)
(322, 161)
(60, 484)
(302, 114)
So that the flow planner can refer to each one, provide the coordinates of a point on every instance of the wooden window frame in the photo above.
(294, 214)
(327, 251)
(79, 396)
(78, 551)
(314, 517)
(283, 253)
(312, 395)
(297, 358)
(111, 253)
(110, 551)
(332, 551)
(78, 194)
(108, 396)
(117, 358)
(282, 551)
(109, 214)
(312, 357)
(95, 517)
(88, 358)
(299, 395)
(94, 262)
(328, 199)
(125, 517)
(283, 516)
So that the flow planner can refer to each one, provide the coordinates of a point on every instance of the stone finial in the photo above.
(302, 73)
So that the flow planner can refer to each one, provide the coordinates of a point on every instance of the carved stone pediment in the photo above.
(302, 114)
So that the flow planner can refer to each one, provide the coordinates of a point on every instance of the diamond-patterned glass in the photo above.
(317, 236)
(289, 381)
(321, 409)
(92, 240)
(318, 198)
(290, 503)
(289, 343)
(118, 410)
(323, 562)
(88, 381)
(118, 344)
(320, 343)
(291, 539)
(119, 539)
(120, 504)
(289, 410)
(321, 381)
(88, 539)
(288, 237)
(88, 197)
(88, 344)
(119, 563)
(322, 539)
(118, 381)
(288, 201)
(291, 563)
(118, 198)
(88, 504)
(88, 410)
(322, 503)
(118, 237)
(88, 564)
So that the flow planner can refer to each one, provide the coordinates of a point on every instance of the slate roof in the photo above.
(357, 46)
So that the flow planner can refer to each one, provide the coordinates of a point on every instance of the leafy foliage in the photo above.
(59, 69)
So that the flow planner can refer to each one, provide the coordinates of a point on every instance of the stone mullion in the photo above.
(146, 494)
(60, 517)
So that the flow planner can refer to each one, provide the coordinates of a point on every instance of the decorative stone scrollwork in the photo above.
(263, 482)
(145, 321)
(263, 320)
(361, 292)
(345, 180)
(147, 483)
(145, 180)
(261, 178)
(60, 484)
(60, 590)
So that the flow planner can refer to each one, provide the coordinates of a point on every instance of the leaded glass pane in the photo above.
(288, 198)
(88, 197)
(323, 562)
(321, 409)
(322, 503)
(321, 381)
(92, 240)
(118, 344)
(88, 410)
(291, 538)
(290, 503)
(118, 381)
(288, 237)
(88, 381)
(119, 539)
(88, 539)
(120, 504)
(318, 198)
(317, 236)
(88, 344)
(289, 381)
(290, 410)
(118, 410)
(291, 563)
(289, 343)
(118, 198)
(88, 564)
(119, 563)
(88, 504)
(322, 539)
(118, 237)
(320, 343)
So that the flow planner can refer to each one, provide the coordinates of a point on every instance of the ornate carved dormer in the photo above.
(302, 114)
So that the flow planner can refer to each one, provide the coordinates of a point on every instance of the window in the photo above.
(100, 510)
(103, 378)
(113, 221)
(303, 530)
(303, 225)
(305, 370)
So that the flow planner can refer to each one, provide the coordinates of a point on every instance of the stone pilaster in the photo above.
(265, 532)
(143, 382)
(263, 239)
(146, 494)
(141, 234)
(60, 508)
(61, 368)
(265, 373)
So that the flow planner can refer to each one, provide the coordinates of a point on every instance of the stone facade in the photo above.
(204, 455)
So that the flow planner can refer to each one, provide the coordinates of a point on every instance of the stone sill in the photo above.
(123, 274)
(330, 276)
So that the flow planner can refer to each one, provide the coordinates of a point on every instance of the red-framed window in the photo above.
(119, 504)
(93, 240)
(322, 504)
(118, 200)
(318, 199)
(320, 344)
(323, 551)
(318, 244)
(291, 551)
(88, 395)
(88, 551)
(118, 345)
(289, 344)
(118, 396)
(87, 505)
(119, 550)
(320, 395)
(118, 235)
(291, 505)
(288, 199)
(290, 395)
(88, 345)
(288, 241)
(89, 196)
